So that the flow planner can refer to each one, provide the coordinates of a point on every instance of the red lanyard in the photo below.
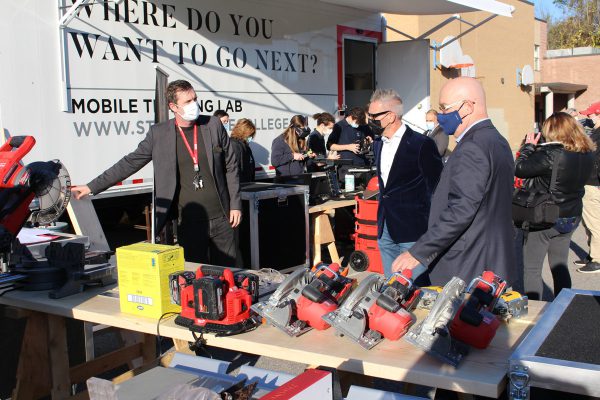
(194, 155)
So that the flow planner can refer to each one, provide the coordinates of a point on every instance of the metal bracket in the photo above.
(70, 13)
(518, 383)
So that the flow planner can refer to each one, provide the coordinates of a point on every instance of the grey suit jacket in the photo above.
(159, 146)
(440, 138)
(470, 222)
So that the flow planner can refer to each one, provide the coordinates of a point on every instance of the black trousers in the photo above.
(208, 242)
(536, 246)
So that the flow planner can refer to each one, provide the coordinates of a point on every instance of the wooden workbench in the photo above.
(481, 373)
(322, 233)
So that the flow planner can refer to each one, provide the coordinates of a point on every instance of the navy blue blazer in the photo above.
(470, 225)
(404, 202)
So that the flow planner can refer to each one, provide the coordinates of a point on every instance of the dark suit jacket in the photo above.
(404, 202)
(470, 224)
(159, 146)
(440, 138)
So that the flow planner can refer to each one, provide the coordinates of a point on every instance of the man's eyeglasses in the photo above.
(373, 116)
(446, 107)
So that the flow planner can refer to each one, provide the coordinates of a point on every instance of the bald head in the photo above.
(467, 95)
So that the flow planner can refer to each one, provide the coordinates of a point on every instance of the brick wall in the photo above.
(576, 69)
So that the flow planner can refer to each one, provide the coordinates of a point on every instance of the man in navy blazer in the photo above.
(408, 168)
(470, 225)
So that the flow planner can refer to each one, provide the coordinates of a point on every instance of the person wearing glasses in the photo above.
(408, 169)
(470, 224)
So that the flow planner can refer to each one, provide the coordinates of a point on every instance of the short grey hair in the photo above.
(389, 96)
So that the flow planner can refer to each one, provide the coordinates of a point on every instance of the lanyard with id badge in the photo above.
(197, 180)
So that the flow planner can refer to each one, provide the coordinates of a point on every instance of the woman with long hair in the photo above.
(242, 134)
(570, 151)
(288, 151)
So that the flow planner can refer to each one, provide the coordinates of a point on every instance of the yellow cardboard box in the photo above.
(143, 270)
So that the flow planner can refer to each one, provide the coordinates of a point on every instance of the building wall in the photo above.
(540, 28)
(498, 48)
(575, 69)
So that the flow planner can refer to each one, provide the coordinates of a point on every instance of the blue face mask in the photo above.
(250, 139)
(353, 124)
(450, 121)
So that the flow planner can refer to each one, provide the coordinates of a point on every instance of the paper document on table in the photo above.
(36, 235)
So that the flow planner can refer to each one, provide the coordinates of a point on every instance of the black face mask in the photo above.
(302, 132)
(376, 127)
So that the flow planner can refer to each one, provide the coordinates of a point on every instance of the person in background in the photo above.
(435, 132)
(470, 226)
(316, 140)
(591, 199)
(408, 169)
(346, 137)
(223, 116)
(242, 135)
(197, 186)
(583, 119)
(288, 150)
(570, 151)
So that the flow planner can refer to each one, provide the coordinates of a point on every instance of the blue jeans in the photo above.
(390, 250)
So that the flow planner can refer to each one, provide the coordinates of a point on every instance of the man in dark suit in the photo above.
(470, 224)
(435, 132)
(195, 178)
(408, 169)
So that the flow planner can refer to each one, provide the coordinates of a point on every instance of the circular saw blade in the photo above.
(52, 197)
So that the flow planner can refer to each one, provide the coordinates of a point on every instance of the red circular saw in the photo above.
(39, 191)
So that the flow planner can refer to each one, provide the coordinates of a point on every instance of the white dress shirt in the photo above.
(388, 152)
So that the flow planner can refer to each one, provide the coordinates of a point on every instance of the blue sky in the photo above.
(547, 5)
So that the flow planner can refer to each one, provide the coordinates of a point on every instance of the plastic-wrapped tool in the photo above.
(304, 297)
(432, 335)
(475, 323)
(376, 309)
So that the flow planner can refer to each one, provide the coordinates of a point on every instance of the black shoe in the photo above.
(590, 268)
(582, 262)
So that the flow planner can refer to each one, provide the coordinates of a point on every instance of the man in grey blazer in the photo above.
(195, 178)
(470, 223)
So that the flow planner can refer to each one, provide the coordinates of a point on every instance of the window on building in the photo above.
(536, 57)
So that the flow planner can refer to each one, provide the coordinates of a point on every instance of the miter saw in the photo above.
(304, 297)
(37, 194)
(378, 308)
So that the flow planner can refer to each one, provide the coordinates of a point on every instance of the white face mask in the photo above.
(249, 139)
(327, 131)
(353, 124)
(191, 111)
(430, 125)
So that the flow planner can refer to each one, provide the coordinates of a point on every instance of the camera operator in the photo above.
(288, 151)
(348, 139)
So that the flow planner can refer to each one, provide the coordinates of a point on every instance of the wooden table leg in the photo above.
(316, 240)
(44, 361)
(33, 379)
(58, 357)
(324, 235)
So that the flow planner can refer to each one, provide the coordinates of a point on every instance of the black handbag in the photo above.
(535, 210)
